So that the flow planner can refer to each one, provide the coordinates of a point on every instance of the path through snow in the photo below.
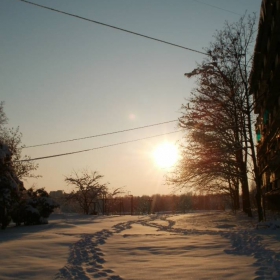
(198, 245)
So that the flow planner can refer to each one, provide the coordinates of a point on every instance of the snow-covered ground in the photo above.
(197, 245)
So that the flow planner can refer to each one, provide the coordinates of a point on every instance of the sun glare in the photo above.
(165, 155)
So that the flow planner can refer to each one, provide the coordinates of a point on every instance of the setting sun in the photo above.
(165, 155)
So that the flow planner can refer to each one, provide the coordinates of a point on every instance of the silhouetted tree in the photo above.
(9, 186)
(218, 119)
(87, 189)
(17, 204)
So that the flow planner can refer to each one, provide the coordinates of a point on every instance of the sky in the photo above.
(63, 78)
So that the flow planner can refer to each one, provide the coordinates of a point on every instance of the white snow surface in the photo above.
(196, 245)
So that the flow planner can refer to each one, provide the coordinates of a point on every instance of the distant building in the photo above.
(56, 194)
(265, 87)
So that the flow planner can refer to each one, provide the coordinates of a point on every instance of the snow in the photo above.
(196, 245)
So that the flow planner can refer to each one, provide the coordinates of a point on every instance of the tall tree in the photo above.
(13, 203)
(219, 120)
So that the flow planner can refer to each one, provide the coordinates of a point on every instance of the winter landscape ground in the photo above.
(196, 245)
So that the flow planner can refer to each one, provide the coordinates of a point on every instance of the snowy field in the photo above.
(197, 245)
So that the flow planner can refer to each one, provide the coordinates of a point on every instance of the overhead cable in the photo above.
(217, 7)
(99, 135)
(112, 26)
(96, 148)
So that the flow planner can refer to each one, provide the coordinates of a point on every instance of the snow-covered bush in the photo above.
(40, 200)
(30, 207)
(34, 208)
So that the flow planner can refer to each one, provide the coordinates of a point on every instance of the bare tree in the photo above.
(87, 189)
(219, 121)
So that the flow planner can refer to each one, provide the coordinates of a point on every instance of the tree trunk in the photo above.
(236, 197)
(246, 205)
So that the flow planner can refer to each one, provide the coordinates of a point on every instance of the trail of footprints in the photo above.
(86, 260)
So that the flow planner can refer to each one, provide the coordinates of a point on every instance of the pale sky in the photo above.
(63, 78)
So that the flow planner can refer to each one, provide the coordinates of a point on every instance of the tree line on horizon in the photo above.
(145, 204)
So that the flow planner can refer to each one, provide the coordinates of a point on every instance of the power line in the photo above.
(96, 148)
(112, 26)
(99, 135)
(217, 7)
